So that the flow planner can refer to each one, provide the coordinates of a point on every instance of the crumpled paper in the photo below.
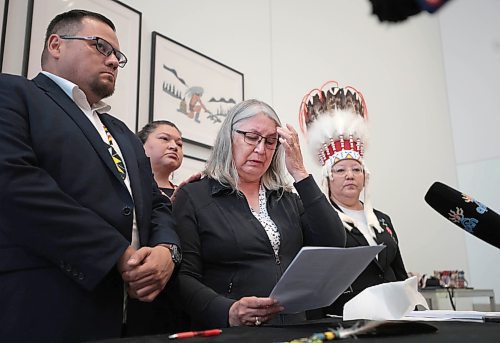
(387, 301)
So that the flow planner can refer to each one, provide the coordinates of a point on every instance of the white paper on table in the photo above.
(446, 315)
(387, 301)
(318, 275)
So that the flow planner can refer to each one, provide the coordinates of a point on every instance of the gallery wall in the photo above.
(284, 48)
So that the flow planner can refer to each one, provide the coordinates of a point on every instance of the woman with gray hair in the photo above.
(241, 225)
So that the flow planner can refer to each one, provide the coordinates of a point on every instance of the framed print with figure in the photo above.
(4, 10)
(192, 90)
(128, 21)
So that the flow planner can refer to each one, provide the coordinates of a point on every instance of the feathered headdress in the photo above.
(333, 119)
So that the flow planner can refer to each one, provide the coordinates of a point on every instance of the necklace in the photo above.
(169, 197)
(162, 192)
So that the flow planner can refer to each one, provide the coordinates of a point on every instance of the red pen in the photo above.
(204, 333)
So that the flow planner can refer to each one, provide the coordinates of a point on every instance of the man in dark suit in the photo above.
(81, 218)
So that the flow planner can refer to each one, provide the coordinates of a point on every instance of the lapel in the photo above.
(68, 105)
(382, 256)
(357, 236)
(130, 157)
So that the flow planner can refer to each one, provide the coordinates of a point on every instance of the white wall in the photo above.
(393, 65)
(284, 48)
(471, 48)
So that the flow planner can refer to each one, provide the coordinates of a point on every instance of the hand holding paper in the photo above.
(318, 275)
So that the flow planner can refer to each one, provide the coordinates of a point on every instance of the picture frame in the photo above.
(192, 90)
(190, 165)
(128, 22)
(4, 11)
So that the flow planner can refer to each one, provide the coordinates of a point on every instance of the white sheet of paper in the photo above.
(445, 315)
(318, 275)
(387, 301)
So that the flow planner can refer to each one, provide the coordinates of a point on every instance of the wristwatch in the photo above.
(175, 252)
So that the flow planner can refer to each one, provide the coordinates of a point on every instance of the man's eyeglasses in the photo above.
(103, 47)
(253, 138)
(341, 171)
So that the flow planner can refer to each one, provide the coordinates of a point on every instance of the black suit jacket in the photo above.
(66, 215)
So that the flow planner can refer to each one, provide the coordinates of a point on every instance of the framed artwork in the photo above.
(192, 90)
(4, 10)
(190, 165)
(128, 22)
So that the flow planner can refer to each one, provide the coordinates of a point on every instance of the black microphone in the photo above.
(400, 10)
(466, 212)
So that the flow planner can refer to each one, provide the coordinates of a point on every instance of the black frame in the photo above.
(200, 61)
(4, 28)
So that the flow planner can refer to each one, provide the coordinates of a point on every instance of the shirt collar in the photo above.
(77, 95)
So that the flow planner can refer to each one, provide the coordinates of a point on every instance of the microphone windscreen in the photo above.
(466, 212)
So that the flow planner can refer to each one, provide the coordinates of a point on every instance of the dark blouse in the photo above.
(167, 194)
(162, 315)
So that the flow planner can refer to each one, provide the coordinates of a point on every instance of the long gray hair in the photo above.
(220, 165)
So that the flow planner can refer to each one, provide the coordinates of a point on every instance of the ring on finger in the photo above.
(257, 321)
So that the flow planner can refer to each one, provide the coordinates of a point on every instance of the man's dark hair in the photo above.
(68, 23)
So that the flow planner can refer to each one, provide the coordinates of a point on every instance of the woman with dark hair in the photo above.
(163, 145)
(241, 225)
